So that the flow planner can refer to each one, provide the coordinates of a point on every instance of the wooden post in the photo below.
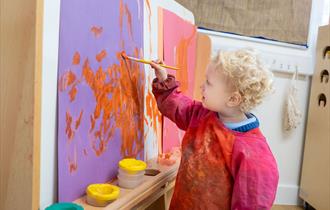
(20, 100)
(315, 174)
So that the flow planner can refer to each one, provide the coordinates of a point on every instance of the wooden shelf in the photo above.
(150, 190)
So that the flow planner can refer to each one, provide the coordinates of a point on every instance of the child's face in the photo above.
(216, 91)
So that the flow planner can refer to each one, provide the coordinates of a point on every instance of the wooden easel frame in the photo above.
(20, 112)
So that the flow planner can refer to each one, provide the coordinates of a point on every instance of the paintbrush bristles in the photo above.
(123, 55)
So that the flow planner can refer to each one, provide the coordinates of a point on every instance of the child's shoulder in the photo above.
(198, 109)
(198, 112)
(253, 145)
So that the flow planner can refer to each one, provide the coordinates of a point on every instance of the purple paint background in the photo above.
(76, 19)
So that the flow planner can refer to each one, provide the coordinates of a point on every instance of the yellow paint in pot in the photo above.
(101, 194)
(132, 166)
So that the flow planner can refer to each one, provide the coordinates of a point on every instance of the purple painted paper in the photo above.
(92, 34)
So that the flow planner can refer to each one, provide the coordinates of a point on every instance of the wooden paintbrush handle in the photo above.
(148, 62)
(169, 67)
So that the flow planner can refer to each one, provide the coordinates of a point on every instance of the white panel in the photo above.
(48, 163)
(276, 57)
(151, 38)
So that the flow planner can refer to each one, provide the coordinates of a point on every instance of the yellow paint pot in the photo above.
(101, 194)
(132, 166)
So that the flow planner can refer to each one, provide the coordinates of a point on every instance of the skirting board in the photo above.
(288, 195)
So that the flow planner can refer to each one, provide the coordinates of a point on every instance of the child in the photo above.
(226, 162)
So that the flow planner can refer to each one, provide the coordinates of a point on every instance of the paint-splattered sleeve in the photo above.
(255, 175)
(173, 104)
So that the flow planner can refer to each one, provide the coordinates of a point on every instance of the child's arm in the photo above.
(171, 102)
(255, 175)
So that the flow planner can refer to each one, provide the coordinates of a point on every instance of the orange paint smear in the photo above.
(203, 55)
(88, 73)
(69, 132)
(152, 111)
(76, 58)
(182, 61)
(73, 93)
(101, 55)
(129, 21)
(121, 109)
(149, 7)
(73, 166)
(121, 16)
(149, 24)
(92, 121)
(97, 31)
(124, 11)
(78, 121)
(67, 79)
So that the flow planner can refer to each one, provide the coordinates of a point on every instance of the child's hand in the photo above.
(160, 72)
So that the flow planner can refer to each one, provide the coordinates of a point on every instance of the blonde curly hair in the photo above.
(247, 74)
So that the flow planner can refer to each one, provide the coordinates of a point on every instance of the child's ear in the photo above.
(234, 100)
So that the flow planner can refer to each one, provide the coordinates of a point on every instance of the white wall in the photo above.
(287, 147)
(151, 146)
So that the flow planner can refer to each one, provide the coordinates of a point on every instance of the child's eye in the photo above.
(207, 82)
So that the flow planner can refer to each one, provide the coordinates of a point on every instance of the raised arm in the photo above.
(171, 102)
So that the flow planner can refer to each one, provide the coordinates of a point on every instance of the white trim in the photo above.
(252, 39)
(48, 162)
(288, 195)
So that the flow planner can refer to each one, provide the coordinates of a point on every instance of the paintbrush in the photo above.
(123, 54)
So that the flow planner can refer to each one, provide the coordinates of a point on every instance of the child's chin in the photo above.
(207, 107)
(204, 104)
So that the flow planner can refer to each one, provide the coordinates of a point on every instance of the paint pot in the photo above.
(131, 172)
(101, 195)
(65, 206)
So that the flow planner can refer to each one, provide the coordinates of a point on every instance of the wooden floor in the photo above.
(280, 207)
